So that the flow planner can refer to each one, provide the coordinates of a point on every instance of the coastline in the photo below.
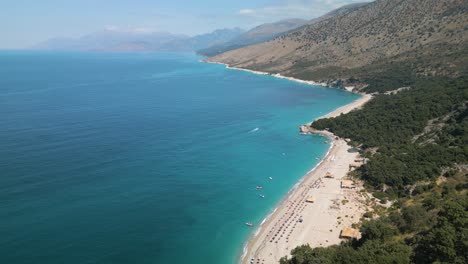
(294, 221)
(322, 221)
(277, 75)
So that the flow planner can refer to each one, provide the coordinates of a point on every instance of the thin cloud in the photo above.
(247, 12)
(306, 9)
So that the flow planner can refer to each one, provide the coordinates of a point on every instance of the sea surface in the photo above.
(145, 158)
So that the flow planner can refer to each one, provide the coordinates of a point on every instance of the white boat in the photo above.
(262, 196)
(271, 178)
(258, 187)
(249, 224)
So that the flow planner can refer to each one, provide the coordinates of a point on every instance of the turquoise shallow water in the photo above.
(145, 158)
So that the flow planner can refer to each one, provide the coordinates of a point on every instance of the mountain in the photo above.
(109, 39)
(339, 11)
(412, 37)
(269, 31)
(256, 35)
(204, 40)
(120, 40)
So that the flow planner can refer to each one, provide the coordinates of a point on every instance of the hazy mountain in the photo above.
(118, 40)
(108, 40)
(105, 39)
(256, 35)
(426, 37)
(266, 31)
(204, 40)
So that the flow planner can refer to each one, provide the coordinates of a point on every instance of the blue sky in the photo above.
(26, 22)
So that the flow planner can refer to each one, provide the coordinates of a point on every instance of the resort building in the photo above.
(348, 184)
(359, 160)
(354, 165)
(350, 233)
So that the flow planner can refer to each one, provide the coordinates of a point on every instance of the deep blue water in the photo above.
(144, 158)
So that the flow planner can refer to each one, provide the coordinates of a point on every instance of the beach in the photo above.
(316, 210)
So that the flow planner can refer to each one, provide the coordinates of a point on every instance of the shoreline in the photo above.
(290, 192)
(277, 75)
(316, 232)
(321, 222)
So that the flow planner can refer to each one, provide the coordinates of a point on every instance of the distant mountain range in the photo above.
(120, 40)
(202, 41)
(209, 44)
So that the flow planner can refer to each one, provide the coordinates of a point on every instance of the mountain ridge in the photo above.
(426, 37)
(274, 30)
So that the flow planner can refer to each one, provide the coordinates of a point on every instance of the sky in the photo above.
(24, 23)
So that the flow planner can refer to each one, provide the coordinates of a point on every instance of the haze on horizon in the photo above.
(27, 22)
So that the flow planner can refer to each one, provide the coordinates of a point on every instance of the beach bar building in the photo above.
(310, 200)
(329, 175)
(354, 165)
(350, 233)
(359, 160)
(347, 184)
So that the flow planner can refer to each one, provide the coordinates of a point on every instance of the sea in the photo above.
(145, 157)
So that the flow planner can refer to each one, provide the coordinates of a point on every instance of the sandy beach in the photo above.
(319, 223)
(349, 107)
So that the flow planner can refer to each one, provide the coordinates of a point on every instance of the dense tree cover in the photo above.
(410, 139)
(447, 242)
(372, 251)
(394, 75)
(394, 124)
(395, 119)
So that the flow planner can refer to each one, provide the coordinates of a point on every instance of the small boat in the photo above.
(317, 158)
(259, 187)
(262, 196)
(271, 178)
(249, 224)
